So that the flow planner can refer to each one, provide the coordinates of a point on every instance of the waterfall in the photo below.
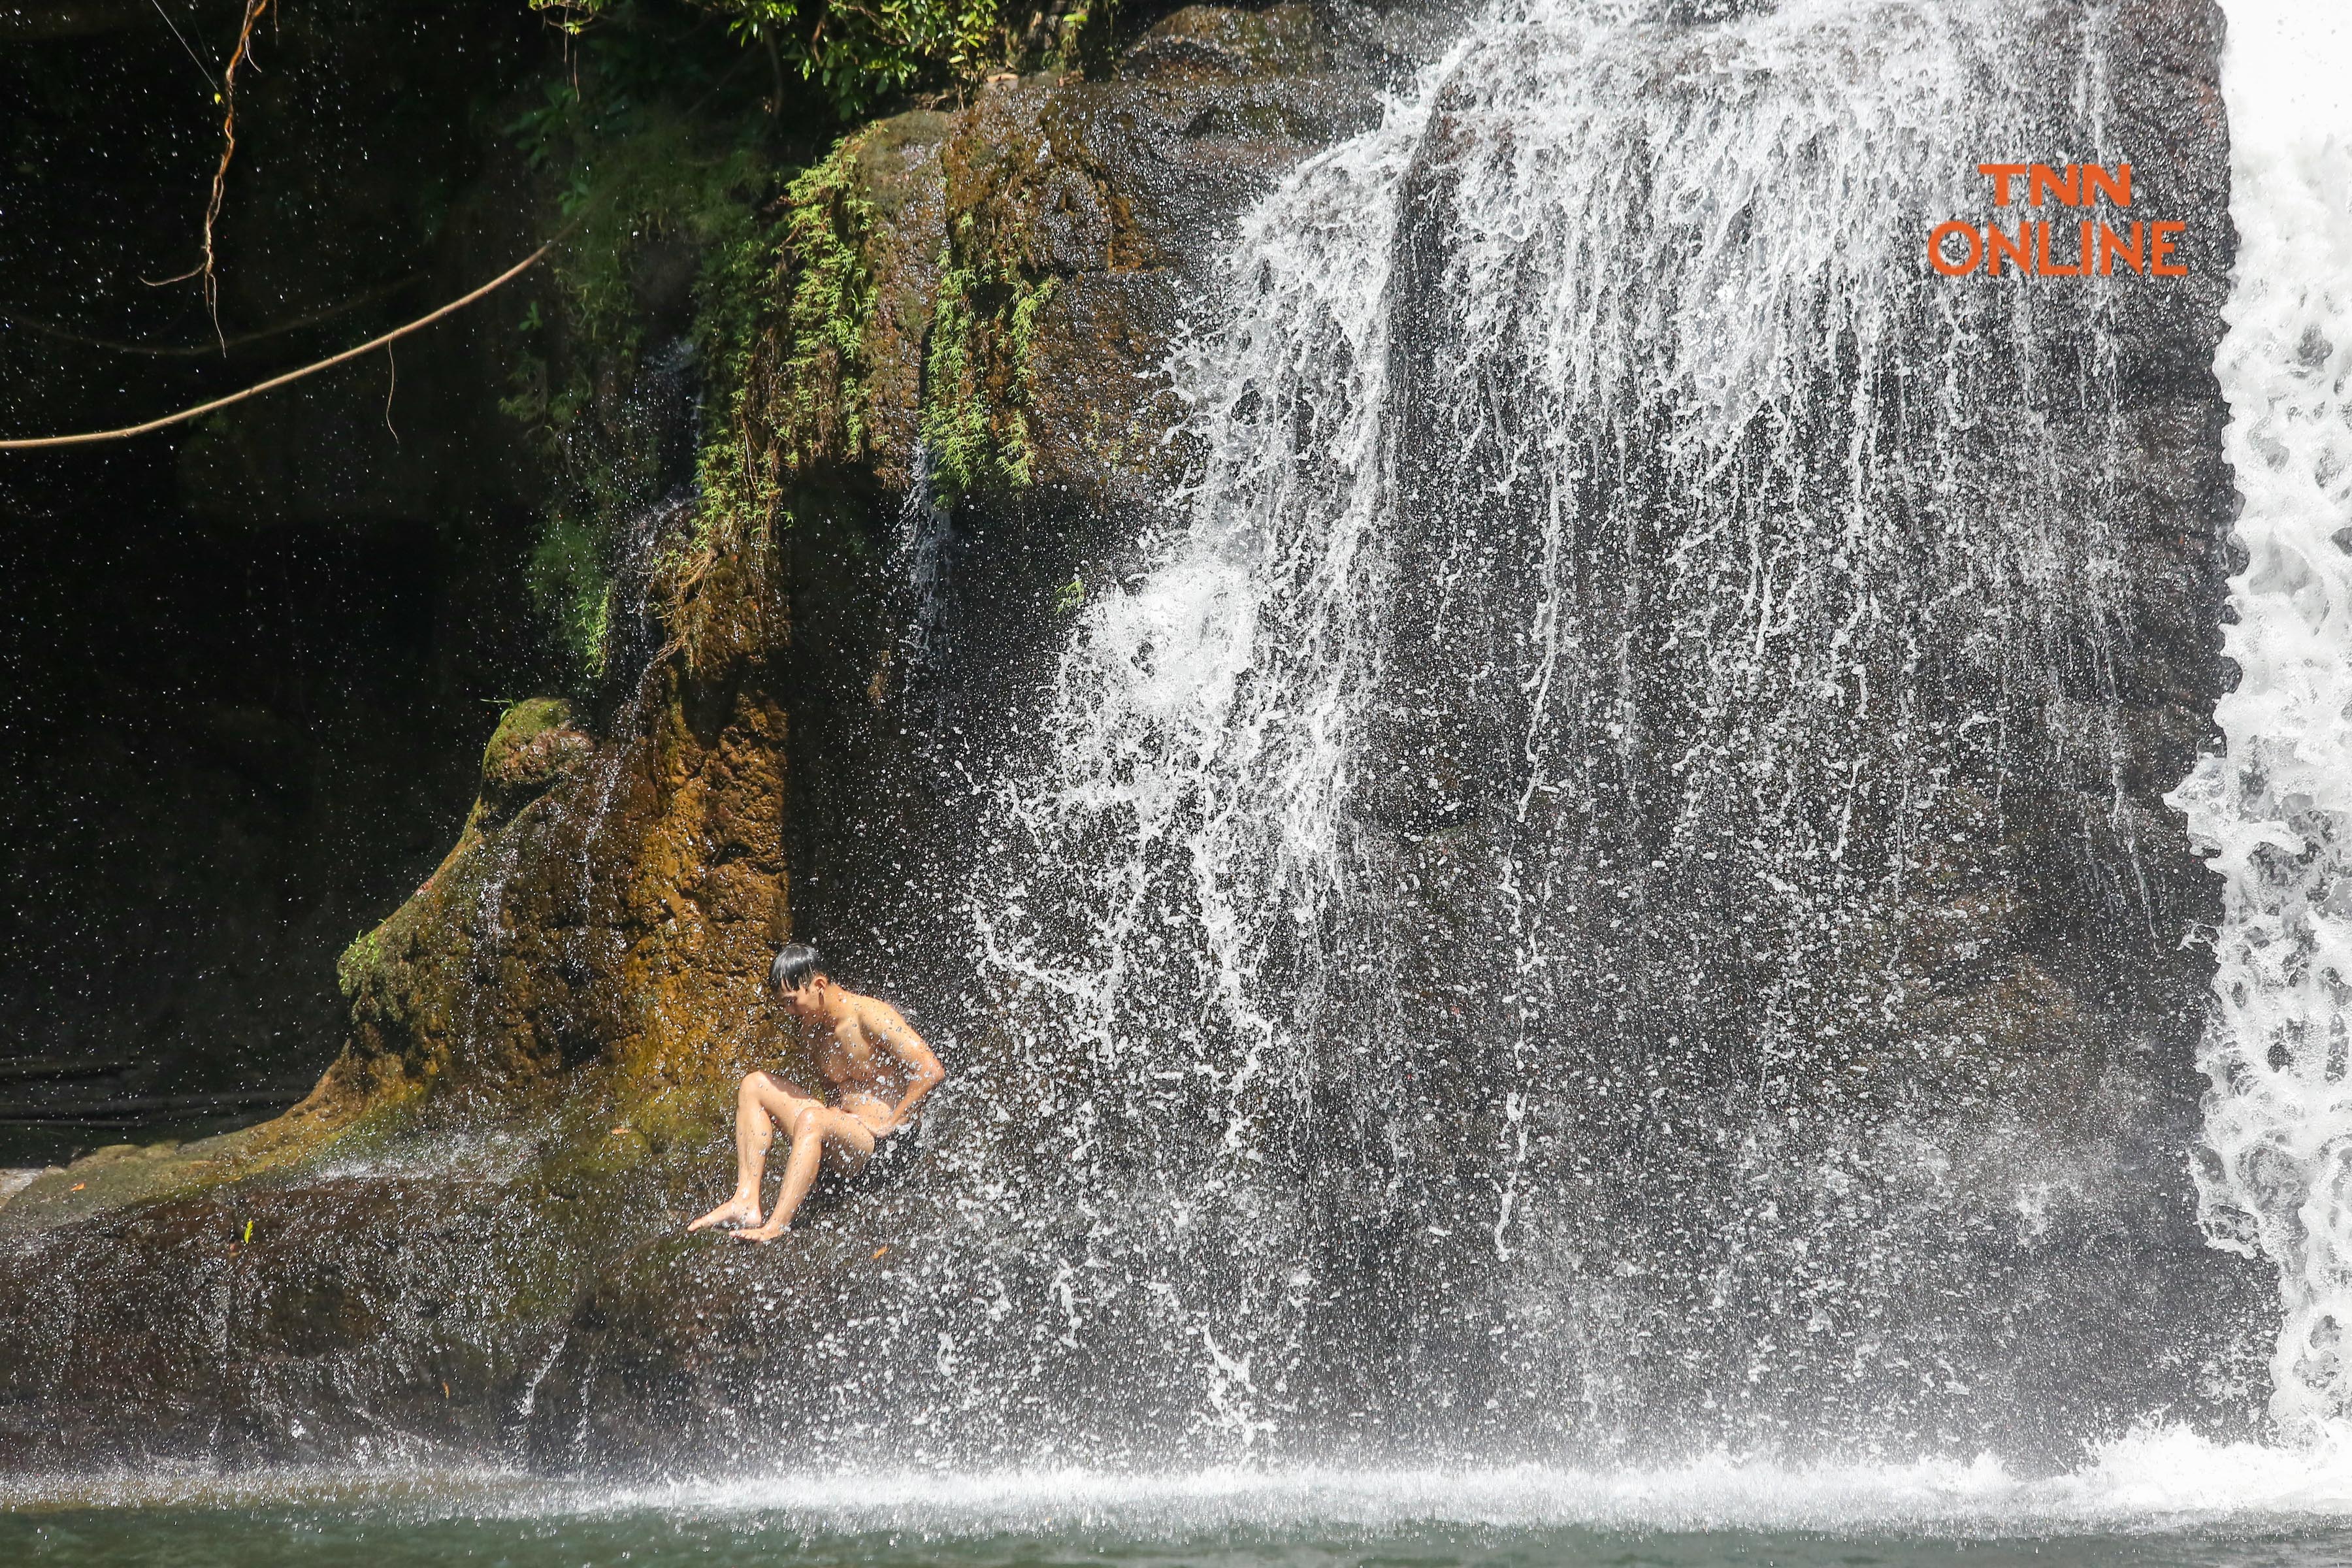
(924, 554)
(2274, 1174)
(1490, 888)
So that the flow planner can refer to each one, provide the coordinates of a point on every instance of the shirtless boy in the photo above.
(866, 1051)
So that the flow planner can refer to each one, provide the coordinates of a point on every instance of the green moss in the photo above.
(787, 387)
(362, 961)
(532, 748)
(976, 378)
(955, 419)
(572, 586)
(519, 726)
(828, 215)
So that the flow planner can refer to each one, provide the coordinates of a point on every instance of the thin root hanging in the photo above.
(203, 269)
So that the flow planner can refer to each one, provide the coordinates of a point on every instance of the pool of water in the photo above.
(2162, 1500)
(266, 1539)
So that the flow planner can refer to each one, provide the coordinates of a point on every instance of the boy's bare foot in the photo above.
(734, 1211)
(768, 1232)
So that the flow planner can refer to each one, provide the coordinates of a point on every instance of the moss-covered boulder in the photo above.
(534, 746)
(392, 1295)
(1082, 216)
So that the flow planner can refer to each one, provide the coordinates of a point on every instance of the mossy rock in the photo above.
(409, 1276)
(1222, 41)
(534, 746)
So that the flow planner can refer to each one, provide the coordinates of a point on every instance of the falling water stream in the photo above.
(1513, 875)
(2274, 1176)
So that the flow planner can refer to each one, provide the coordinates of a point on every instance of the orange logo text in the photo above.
(2050, 246)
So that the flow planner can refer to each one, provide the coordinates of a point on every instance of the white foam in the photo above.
(2159, 1479)
(2276, 811)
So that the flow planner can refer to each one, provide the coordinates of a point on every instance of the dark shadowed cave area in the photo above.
(243, 662)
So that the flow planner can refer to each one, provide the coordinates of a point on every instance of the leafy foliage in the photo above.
(827, 213)
(974, 421)
(653, 184)
(572, 582)
(857, 53)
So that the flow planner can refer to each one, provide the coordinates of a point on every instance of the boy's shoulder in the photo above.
(874, 1009)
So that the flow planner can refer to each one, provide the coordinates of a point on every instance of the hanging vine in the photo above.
(227, 95)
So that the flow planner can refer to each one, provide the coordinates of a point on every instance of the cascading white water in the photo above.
(2274, 1179)
(1618, 572)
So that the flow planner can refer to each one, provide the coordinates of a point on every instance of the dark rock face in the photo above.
(1987, 994)
(400, 1299)
(694, 1346)
(2048, 881)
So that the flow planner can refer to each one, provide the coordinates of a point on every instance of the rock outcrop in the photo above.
(451, 1245)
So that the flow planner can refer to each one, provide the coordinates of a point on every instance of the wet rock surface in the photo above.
(395, 1298)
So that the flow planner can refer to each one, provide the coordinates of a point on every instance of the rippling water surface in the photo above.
(2161, 1498)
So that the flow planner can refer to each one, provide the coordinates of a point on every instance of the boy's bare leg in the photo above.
(812, 1127)
(761, 1102)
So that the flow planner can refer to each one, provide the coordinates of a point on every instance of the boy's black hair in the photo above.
(795, 967)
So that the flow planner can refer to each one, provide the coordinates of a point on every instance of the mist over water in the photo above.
(2163, 1497)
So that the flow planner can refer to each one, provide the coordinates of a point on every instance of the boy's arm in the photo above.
(924, 1070)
